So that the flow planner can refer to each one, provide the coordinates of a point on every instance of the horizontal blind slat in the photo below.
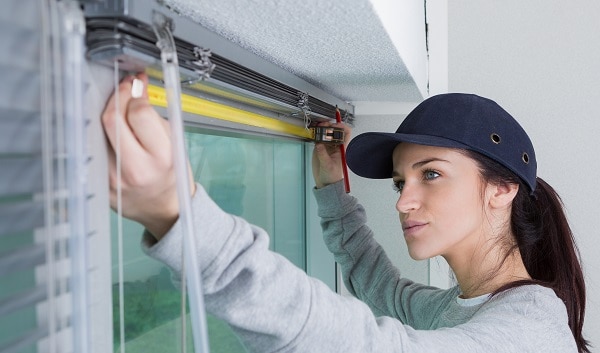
(21, 259)
(20, 176)
(62, 305)
(27, 340)
(22, 300)
(21, 216)
(21, 131)
(20, 89)
(62, 267)
(21, 47)
(64, 341)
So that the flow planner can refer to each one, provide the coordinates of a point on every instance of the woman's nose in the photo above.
(408, 200)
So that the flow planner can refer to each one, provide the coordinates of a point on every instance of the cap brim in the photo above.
(370, 154)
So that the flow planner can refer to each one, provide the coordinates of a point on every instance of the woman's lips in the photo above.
(412, 227)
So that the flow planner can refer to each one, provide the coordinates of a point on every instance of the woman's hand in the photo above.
(327, 159)
(148, 187)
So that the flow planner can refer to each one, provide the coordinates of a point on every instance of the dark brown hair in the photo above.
(545, 241)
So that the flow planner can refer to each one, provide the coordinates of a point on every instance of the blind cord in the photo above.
(193, 280)
(119, 211)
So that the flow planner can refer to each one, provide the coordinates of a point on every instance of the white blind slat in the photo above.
(22, 300)
(64, 342)
(22, 259)
(24, 341)
(20, 175)
(20, 216)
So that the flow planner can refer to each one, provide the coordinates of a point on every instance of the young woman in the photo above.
(466, 173)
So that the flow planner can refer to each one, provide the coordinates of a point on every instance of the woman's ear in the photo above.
(501, 195)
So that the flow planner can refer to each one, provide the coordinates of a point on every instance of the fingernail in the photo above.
(137, 88)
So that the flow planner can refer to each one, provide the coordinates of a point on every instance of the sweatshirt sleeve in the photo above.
(367, 271)
(271, 305)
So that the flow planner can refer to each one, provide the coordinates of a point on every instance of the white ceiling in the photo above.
(341, 47)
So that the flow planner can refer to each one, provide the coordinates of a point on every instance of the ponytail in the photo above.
(545, 241)
(549, 252)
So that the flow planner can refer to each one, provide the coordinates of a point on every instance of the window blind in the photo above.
(139, 36)
(120, 30)
(43, 287)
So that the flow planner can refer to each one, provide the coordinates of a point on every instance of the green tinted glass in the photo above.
(259, 179)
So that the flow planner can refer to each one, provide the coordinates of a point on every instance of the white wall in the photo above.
(540, 60)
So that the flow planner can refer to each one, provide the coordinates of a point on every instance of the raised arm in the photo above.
(367, 271)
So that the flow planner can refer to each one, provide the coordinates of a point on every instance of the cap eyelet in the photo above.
(495, 138)
(525, 157)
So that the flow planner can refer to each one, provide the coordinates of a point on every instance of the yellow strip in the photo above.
(199, 106)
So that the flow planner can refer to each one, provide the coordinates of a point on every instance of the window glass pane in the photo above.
(288, 237)
(152, 305)
(259, 179)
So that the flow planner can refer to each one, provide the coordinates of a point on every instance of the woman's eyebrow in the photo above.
(428, 160)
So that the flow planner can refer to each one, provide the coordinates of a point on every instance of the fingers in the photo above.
(150, 129)
(142, 131)
(113, 118)
(115, 107)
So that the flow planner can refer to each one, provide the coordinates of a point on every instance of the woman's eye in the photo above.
(398, 185)
(430, 174)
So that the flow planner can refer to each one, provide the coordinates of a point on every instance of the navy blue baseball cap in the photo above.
(454, 120)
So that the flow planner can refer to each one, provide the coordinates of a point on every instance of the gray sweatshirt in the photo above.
(275, 307)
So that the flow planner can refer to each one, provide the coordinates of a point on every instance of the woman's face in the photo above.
(440, 203)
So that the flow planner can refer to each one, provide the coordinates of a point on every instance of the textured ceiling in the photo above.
(338, 46)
